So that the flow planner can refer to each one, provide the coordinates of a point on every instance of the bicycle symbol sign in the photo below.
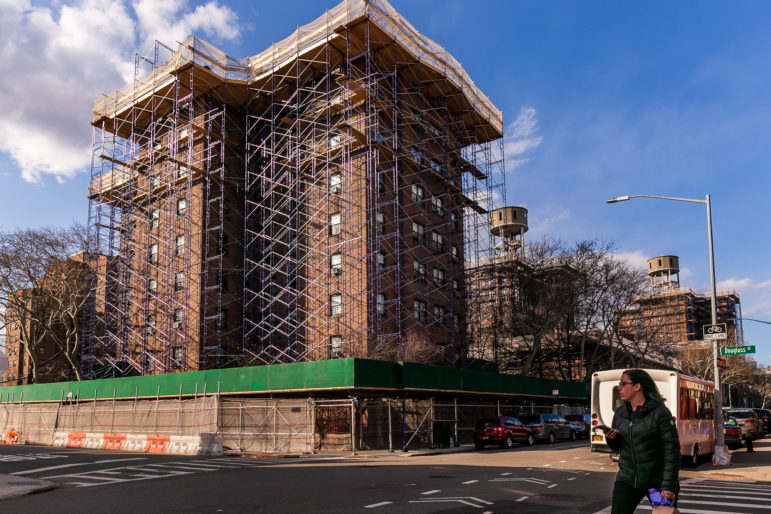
(715, 332)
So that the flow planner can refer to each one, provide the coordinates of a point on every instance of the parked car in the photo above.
(503, 431)
(549, 427)
(732, 433)
(581, 424)
(749, 423)
(765, 416)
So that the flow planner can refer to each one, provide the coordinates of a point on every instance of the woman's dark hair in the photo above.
(649, 389)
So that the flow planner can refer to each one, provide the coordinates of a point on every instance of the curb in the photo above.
(12, 486)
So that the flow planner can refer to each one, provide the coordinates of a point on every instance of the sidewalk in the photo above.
(12, 486)
(744, 466)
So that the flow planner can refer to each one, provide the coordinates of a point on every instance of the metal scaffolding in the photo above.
(342, 177)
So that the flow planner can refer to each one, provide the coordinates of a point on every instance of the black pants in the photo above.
(626, 498)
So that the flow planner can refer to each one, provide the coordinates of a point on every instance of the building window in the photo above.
(335, 183)
(418, 232)
(335, 141)
(155, 182)
(176, 354)
(456, 288)
(454, 220)
(152, 285)
(222, 319)
(380, 303)
(419, 270)
(154, 254)
(439, 314)
(150, 364)
(180, 248)
(380, 223)
(178, 317)
(437, 241)
(438, 277)
(381, 183)
(335, 346)
(151, 319)
(437, 205)
(155, 218)
(181, 206)
(455, 255)
(336, 263)
(418, 194)
(415, 154)
(419, 310)
(335, 305)
(182, 173)
(436, 166)
(456, 322)
(334, 224)
(179, 281)
(381, 260)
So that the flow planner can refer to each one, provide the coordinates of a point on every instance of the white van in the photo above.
(691, 401)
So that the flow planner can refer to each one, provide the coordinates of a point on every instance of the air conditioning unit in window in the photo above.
(337, 271)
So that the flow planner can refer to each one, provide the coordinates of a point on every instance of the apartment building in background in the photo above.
(37, 320)
(320, 199)
(675, 316)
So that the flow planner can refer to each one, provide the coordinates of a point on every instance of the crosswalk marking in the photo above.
(146, 471)
(704, 496)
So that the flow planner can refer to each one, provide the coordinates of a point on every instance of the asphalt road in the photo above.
(564, 478)
(539, 479)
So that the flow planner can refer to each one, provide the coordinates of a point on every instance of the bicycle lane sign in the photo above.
(715, 332)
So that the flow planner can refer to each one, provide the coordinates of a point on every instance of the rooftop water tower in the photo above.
(664, 271)
(508, 226)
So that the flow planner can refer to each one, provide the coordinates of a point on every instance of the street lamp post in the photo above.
(720, 450)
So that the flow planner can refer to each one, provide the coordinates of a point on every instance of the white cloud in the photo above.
(56, 61)
(540, 226)
(743, 284)
(636, 258)
(520, 136)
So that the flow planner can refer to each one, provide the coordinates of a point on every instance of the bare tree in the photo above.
(44, 285)
(414, 347)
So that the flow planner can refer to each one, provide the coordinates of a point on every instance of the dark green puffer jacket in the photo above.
(649, 446)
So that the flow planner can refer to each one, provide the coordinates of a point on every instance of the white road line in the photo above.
(432, 491)
(689, 494)
(572, 478)
(550, 486)
(38, 470)
(504, 474)
(119, 460)
(470, 482)
(545, 465)
(375, 505)
(522, 499)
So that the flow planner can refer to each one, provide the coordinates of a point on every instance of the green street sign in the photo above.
(736, 350)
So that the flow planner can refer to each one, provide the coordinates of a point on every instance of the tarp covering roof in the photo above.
(306, 37)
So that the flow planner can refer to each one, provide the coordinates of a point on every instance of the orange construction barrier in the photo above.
(75, 439)
(11, 437)
(157, 444)
(113, 441)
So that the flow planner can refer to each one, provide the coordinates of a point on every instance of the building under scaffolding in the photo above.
(318, 200)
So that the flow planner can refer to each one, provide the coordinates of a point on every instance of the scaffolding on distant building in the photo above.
(317, 200)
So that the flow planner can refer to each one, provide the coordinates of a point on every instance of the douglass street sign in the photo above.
(736, 350)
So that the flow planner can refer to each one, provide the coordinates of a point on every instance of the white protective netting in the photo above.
(302, 40)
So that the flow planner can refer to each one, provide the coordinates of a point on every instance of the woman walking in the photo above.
(645, 435)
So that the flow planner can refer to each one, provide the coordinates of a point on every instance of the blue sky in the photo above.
(599, 99)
